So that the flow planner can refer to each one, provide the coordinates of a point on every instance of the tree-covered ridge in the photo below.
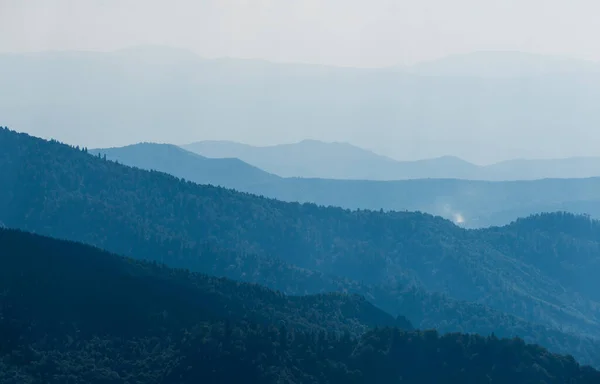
(563, 246)
(71, 313)
(469, 203)
(59, 277)
(427, 310)
(53, 189)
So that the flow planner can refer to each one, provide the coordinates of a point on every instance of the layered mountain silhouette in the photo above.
(170, 95)
(176, 161)
(534, 278)
(311, 262)
(468, 203)
(45, 270)
(316, 159)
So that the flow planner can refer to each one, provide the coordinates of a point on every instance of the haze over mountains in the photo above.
(315, 159)
(468, 203)
(503, 64)
(436, 274)
(299, 192)
(169, 95)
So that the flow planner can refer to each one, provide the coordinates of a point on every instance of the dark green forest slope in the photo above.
(60, 277)
(71, 313)
(54, 189)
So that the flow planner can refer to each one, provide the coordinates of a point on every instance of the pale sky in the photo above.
(337, 32)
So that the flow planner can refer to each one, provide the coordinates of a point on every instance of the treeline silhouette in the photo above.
(71, 313)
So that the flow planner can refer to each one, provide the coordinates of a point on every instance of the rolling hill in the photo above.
(176, 161)
(471, 204)
(73, 313)
(45, 270)
(57, 190)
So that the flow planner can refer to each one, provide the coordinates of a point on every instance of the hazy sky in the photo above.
(340, 32)
(553, 120)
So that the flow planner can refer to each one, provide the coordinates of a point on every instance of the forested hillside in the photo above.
(54, 189)
(470, 204)
(73, 313)
(53, 280)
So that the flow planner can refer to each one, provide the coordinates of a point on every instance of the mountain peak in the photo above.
(172, 159)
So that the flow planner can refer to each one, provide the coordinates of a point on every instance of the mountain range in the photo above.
(534, 278)
(170, 95)
(313, 262)
(471, 204)
(315, 159)
(77, 314)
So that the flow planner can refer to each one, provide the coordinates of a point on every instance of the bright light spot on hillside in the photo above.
(458, 218)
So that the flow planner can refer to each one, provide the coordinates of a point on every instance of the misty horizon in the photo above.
(482, 107)
(397, 66)
(375, 34)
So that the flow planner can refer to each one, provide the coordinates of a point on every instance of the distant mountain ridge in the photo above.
(308, 158)
(171, 95)
(177, 161)
(471, 204)
(317, 159)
